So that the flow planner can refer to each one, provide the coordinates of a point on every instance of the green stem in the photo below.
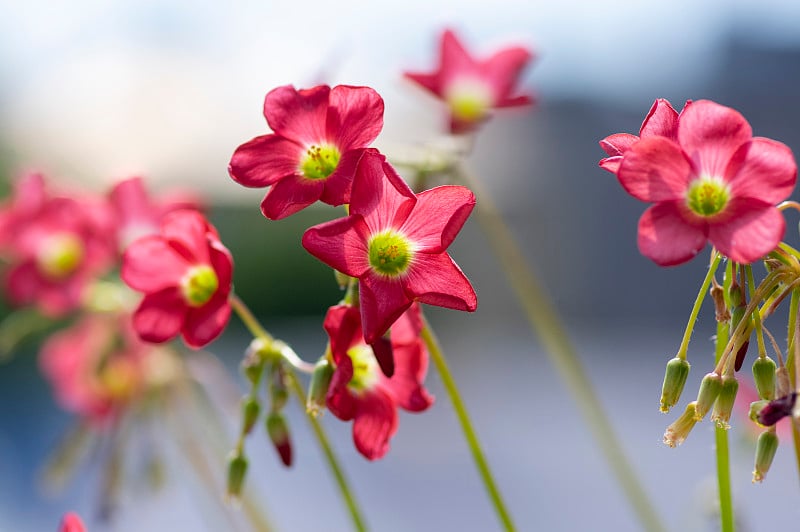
(466, 425)
(791, 353)
(544, 320)
(723, 455)
(698, 302)
(762, 350)
(333, 463)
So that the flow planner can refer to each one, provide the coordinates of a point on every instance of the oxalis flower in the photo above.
(359, 390)
(314, 148)
(471, 87)
(715, 182)
(185, 274)
(394, 242)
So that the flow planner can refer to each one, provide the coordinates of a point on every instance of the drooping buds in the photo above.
(278, 431)
(710, 387)
(677, 432)
(764, 376)
(721, 415)
(318, 389)
(250, 410)
(765, 452)
(674, 380)
(777, 409)
(237, 469)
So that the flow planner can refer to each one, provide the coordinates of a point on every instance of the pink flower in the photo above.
(185, 273)
(471, 87)
(56, 247)
(95, 366)
(662, 120)
(395, 242)
(137, 214)
(715, 182)
(27, 201)
(71, 522)
(314, 148)
(360, 391)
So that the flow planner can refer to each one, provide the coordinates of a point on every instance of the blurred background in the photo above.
(92, 91)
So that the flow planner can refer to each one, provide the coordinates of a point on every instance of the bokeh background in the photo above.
(94, 91)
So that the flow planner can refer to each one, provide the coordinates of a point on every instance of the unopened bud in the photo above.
(777, 409)
(764, 376)
(736, 317)
(318, 389)
(278, 432)
(253, 362)
(720, 309)
(674, 379)
(783, 383)
(250, 410)
(765, 452)
(278, 392)
(237, 468)
(724, 405)
(710, 387)
(735, 294)
(755, 410)
(681, 427)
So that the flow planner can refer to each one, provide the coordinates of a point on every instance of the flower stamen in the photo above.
(320, 161)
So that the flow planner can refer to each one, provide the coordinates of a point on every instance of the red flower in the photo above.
(394, 242)
(314, 148)
(95, 366)
(662, 120)
(185, 274)
(715, 183)
(360, 391)
(71, 522)
(471, 87)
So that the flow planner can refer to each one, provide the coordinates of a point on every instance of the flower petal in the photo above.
(188, 232)
(341, 244)
(222, 264)
(454, 59)
(264, 160)
(405, 386)
(655, 169)
(618, 143)
(204, 324)
(339, 399)
(374, 424)
(768, 171)
(666, 238)
(753, 229)
(379, 194)
(502, 71)
(384, 354)
(343, 325)
(355, 116)
(339, 184)
(438, 217)
(150, 264)
(160, 316)
(436, 280)
(661, 120)
(710, 134)
(382, 301)
(298, 115)
(290, 195)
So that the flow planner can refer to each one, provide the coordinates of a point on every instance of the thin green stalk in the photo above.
(762, 349)
(791, 354)
(723, 455)
(333, 463)
(544, 320)
(698, 302)
(449, 383)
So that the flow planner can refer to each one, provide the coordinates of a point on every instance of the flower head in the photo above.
(359, 390)
(71, 522)
(471, 87)
(715, 182)
(312, 153)
(395, 243)
(185, 273)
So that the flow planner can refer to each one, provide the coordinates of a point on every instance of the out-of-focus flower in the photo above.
(315, 146)
(662, 120)
(715, 183)
(71, 522)
(359, 390)
(138, 214)
(185, 273)
(395, 243)
(472, 87)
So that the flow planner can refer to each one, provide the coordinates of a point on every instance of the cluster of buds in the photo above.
(711, 181)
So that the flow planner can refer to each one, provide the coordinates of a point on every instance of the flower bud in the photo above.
(764, 376)
(318, 389)
(724, 405)
(755, 410)
(278, 392)
(237, 468)
(250, 410)
(777, 409)
(278, 432)
(765, 452)
(783, 383)
(720, 309)
(253, 362)
(674, 379)
(710, 387)
(681, 427)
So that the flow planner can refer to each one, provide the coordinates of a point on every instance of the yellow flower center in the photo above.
(707, 196)
(468, 100)
(320, 161)
(199, 284)
(365, 368)
(390, 253)
(60, 256)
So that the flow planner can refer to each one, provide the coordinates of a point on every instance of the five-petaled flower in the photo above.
(185, 273)
(360, 391)
(715, 182)
(395, 242)
(318, 134)
(471, 87)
